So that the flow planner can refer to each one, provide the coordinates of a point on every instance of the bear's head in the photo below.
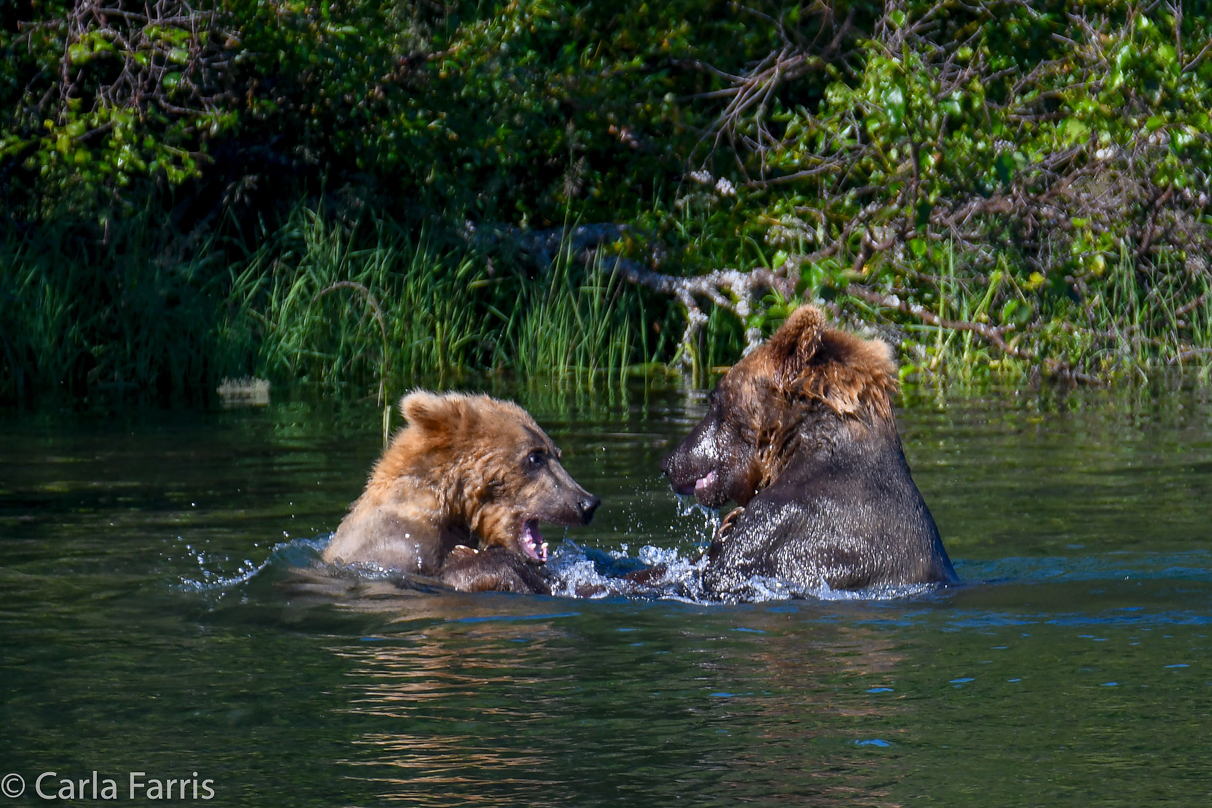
(495, 471)
(805, 380)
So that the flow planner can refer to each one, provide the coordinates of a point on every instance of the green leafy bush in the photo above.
(1010, 186)
(1045, 155)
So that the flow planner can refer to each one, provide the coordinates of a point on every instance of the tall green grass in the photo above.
(353, 307)
(1147, 326)
(114, 309)
(1120, 326)
(371, 308)
(577, 323)
(334, 305)
(337, 304)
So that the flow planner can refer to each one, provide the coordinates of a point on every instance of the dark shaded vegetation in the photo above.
(349, 192)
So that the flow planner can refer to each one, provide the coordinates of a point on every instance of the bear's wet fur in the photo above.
(801, 434)
(458, 496)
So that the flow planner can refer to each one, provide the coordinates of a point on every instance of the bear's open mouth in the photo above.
(695, 486)
(531, 541)
(704, 489)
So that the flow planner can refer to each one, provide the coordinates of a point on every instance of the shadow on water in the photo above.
(156, 619)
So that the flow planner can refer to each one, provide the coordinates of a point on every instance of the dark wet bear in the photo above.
(800, 433)
(459, 494)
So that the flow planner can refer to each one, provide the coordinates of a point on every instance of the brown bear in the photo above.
(800, 433)
(459, 494)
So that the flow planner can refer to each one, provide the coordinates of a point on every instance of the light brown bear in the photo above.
(459, 494)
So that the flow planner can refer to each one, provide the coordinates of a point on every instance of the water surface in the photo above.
(151, 622)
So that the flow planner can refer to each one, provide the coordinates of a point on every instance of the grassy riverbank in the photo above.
(356, 196)
(363, 307)
(369, 307)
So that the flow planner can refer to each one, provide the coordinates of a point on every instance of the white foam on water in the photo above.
(573, 572)
(659, 573)
(214, 574)
(580, 573)
(654, 573)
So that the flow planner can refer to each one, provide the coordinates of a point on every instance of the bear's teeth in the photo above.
(531, 540)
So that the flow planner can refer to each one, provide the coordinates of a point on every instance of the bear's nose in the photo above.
(587, 506)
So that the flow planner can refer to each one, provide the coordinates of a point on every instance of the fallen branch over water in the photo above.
(733, 290)
(729, 289)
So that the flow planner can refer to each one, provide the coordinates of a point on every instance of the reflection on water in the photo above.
(536, 710)
(163, 612)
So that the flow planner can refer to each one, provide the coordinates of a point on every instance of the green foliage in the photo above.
(327, 303)
(1013, 186)
(580, 323)
(142, 325)
(94, 97)
(986, 163)
(505, 110)
(336, 305)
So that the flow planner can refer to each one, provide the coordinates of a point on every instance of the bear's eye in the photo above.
(537, 458)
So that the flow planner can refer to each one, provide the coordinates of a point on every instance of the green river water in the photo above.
(153, 619)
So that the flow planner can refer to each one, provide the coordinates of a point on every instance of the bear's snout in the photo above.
(680, 482)
(586, 506)
(680, 466)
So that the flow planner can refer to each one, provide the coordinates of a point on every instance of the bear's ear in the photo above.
(435, 413)
(794, 344)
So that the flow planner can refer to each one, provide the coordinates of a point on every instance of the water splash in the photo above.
(653, 573)
(658, 573)
(687, 506)
(214, 573)
(670, 573)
